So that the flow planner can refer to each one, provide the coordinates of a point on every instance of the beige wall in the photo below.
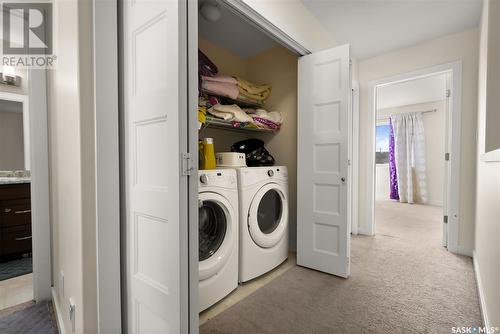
(460, 46)
(11, 140)
(71, 133)
(487, 247)
(277, 67)
(434, 125)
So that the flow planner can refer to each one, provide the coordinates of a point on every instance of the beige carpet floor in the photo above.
(402, 281)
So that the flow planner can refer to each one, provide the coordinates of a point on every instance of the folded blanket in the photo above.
(253, 91)
(220, 88)
(230, 112)
(220, 78)
(262, 122)
(273, 116)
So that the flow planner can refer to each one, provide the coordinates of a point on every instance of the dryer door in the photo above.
(217, 222)
(268, 215)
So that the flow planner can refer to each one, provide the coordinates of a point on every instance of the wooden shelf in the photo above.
(228, 100)
(217, 123)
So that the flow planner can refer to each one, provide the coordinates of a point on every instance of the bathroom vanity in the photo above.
(15, 218)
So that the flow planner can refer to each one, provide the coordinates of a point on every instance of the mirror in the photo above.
(14, 136)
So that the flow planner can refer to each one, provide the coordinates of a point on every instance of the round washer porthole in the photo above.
(216, 222)
(268, 215)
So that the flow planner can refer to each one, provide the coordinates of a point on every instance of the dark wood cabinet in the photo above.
(15, 220)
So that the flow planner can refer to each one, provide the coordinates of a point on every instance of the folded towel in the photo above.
(253, 91)
(220, 78)
(230, 112)
(273, 116)
(220, 88)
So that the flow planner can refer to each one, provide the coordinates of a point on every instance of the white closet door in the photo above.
(151, 124)
(323, 229)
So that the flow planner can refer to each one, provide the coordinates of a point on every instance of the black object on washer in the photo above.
(255, 152)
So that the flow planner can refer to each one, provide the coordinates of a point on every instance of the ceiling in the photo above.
(374, 27)
(234, 34)
(416, 91)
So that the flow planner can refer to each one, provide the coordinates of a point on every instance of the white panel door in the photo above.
(323, 229)
(151, 125)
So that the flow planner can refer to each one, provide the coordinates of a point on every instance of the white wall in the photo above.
(434, 126)
(487, 247)
(71, 163)
(292, 17)
(461, 46)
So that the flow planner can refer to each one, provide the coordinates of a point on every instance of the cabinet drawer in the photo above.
(15, 213)
(16, 240)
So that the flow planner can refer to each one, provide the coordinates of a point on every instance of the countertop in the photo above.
(14, 180)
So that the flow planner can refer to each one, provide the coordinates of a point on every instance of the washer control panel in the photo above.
(217, 178)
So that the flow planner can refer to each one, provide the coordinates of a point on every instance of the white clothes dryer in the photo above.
(218, 235)
(263, 198)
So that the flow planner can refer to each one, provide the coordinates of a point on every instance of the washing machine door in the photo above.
(268, 215)
(216, 226)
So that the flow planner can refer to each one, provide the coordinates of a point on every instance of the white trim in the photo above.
(57, 311)
(355, 158)
(491, 156)
(40, 206)
(455, 68)
(253, 17)
(480, 291)
(192, 147)
(107, 182)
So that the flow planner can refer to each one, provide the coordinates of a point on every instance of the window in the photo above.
(382, 144)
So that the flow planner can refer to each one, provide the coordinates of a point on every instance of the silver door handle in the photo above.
(22, 211)
(7, 210)
(23, 238)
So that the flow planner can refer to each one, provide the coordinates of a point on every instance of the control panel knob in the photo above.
(270, 173)
(203, 179)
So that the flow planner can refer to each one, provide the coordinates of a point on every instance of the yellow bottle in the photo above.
(207, 154)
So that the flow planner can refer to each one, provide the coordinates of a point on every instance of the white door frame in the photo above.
(454, 124)
(107, 159)
(36, 160)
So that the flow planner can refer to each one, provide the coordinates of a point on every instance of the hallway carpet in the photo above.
(402, 281)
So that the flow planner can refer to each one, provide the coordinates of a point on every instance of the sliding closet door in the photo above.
(323, 229)
(152, 126)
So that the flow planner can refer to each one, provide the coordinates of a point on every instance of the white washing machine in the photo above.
(263, 198)
(218, 235)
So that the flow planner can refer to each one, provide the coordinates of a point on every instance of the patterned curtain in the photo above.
(392, 167)
(409, 148)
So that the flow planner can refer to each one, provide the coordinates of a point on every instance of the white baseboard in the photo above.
(363, 231)
(482, 302)
(57, 310)
(464, 251)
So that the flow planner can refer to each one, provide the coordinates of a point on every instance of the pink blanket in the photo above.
(220, 78)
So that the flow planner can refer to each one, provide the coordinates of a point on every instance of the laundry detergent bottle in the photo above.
(207, 154)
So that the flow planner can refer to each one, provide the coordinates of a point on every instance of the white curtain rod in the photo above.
(403, 113)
